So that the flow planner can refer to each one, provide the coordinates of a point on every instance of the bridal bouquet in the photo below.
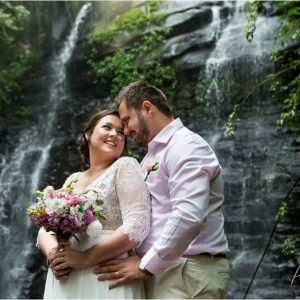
(64, 212)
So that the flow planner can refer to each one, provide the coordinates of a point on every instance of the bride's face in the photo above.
(108, 137)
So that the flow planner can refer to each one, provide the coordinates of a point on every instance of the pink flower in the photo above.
(64, 212)
(149, 166)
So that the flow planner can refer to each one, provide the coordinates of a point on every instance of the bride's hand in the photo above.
(69, 258)
(61, 275)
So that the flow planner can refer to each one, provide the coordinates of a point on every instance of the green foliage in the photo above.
(23, 111)
(229, 128)
(11, 76)
(289, 247)
(161, 76)
(132, 22)
(118, 68)
(127, 65)
(285, 86)
(150, 41)
(253, 9)
(17, 56)
(11, 21)
(282, 211)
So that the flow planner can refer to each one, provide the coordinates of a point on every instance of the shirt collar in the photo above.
(164, 135)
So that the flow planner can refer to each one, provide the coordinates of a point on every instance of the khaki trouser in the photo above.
(194, 277)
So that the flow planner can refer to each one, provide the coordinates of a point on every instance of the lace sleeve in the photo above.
(134, 199)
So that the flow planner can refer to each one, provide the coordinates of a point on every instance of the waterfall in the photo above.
(221, 75)
(216, 68)
(231, 74)
(22, 169)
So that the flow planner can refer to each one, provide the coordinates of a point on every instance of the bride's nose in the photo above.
(113, 132)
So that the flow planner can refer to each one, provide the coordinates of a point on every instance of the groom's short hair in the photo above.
(137, 92)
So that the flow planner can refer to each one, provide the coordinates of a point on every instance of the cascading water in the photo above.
(222, 75)
(216, 68)
(232, 75)
(21, 172)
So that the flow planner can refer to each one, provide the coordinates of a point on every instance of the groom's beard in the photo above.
(143, 135)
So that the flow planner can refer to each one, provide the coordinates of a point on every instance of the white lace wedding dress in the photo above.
(126, 205)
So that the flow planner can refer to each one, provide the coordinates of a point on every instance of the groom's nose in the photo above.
(126, 130)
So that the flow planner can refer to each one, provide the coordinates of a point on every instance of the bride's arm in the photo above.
(48, 245)
(115, 245)
(46, 241)
(135, 207)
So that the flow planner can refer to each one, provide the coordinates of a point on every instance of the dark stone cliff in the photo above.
(216, 68)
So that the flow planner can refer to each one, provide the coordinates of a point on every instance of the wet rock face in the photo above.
(189, 20)
(199, 39)
(215, 68)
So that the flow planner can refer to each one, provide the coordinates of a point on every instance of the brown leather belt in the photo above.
(220, 255)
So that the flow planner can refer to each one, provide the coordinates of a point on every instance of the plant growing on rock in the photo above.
(285, 80)
(139, 30)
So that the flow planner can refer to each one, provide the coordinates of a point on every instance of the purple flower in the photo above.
(64, 212)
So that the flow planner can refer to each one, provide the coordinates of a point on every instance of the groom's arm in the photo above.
(122, 271)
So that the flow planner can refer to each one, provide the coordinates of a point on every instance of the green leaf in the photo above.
(99, 202)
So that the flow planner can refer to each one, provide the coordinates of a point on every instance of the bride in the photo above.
(126, 206)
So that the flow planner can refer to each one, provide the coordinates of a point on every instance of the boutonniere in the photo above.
(151, 167)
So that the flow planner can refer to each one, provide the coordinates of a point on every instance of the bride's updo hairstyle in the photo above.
(88, 130)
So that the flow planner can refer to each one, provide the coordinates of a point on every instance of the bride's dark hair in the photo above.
(88, 130)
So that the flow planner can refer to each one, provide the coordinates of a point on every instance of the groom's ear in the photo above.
(148, 107)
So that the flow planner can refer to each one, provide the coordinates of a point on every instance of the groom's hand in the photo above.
(121, 271)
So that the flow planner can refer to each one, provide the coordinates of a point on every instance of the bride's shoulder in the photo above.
(127, 161)
(73, 176)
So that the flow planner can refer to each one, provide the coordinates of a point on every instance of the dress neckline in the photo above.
(96, 179)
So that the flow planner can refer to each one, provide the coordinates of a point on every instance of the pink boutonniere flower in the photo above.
(151, 167)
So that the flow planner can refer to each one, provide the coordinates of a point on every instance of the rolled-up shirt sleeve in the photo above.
(191, 167)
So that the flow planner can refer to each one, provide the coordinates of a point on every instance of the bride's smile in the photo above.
(108, 137)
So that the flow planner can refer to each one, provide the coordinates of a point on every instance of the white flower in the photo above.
(78, 215)
(49, 189)
(94, 229)
(55, 205)
(97, 208)
(93, 194)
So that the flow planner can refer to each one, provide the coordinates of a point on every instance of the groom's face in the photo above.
(134, 124)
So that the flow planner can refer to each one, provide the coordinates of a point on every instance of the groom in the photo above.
(184, 255)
